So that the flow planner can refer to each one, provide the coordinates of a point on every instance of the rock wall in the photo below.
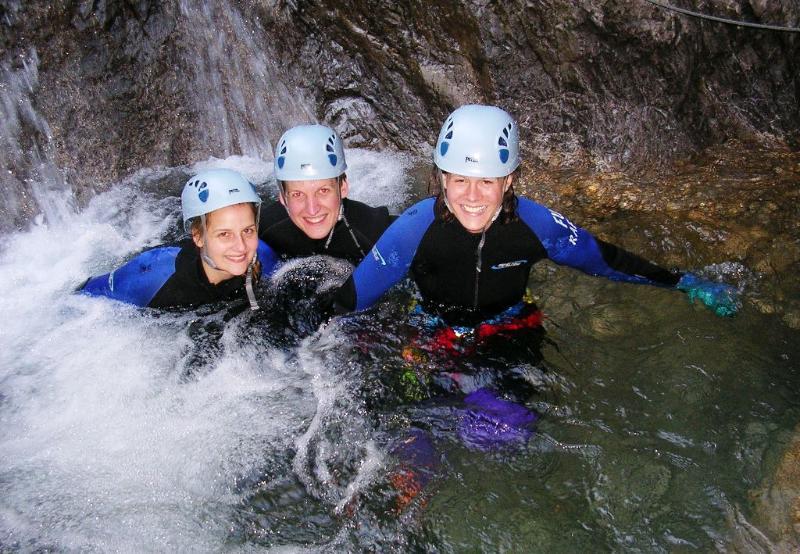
(130, 84)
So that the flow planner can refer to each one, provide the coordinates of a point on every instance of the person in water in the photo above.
(471, 247)
(313, 214)
(470, 250)
(220, 261)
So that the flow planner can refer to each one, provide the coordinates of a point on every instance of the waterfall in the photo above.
(32, 185)
(243, 97)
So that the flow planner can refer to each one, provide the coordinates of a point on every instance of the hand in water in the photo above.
(721, 298)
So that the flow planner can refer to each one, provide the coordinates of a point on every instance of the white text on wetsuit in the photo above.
(568, 225)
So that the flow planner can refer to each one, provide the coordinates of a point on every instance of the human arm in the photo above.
(388, 261)
(268, 257)
(567, 244)
(570, 245)
(137, 281)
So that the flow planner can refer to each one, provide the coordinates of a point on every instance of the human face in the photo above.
(314, 205)
(231, 241)
(475, 200)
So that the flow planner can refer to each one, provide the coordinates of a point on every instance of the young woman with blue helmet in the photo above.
(470, 248)
(220, 261)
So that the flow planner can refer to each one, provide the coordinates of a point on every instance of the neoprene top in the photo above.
(352, 237)
(170, 276)
(457, 271)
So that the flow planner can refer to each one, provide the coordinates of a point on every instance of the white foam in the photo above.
(104, 445)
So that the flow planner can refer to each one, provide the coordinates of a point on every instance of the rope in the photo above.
(723, 20)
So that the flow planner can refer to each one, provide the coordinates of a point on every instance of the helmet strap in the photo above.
(248, 284)
(443, 181)
(500, 207)
(204, 249)
(341, 212)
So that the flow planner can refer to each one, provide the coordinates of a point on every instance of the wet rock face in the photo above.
(612, 83)
(107, 85)
(605, 83)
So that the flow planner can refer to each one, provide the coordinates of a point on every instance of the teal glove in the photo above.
(721, 298)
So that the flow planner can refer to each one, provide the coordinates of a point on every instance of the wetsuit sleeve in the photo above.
(389, 260)
(268, 257)
(570, 245)
(138, 281)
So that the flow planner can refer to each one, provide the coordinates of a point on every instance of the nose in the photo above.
(240, 244)
(312, 204)
(472, 191)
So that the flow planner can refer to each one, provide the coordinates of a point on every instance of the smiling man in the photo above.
(314, 215)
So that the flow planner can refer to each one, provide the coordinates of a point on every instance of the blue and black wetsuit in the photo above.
(353, 236)
(170, 276)
(481, 275)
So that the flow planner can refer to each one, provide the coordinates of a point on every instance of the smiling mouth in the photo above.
(473, 210)
(316, 220)
(238, 259)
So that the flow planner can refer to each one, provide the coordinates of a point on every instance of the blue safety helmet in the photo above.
(309, 152)
(214, 189)
(478, 141)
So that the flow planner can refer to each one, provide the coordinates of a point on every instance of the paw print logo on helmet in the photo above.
(330, 147)
(280, 161)
(201, 188)
(444, 145)
(502, 142)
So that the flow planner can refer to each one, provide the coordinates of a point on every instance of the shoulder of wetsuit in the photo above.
(189, 287)
(271, 217)
(368, 220)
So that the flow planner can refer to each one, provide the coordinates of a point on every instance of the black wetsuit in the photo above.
(476, 276)
(352, 237)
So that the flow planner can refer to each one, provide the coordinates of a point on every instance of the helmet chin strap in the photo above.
(204, 250)
(341, 211)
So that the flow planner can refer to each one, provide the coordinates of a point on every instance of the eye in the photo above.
(249, 231)
(324, 190)
(295, 194)
(224, 234)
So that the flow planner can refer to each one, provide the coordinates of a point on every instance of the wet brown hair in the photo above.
(507, 214)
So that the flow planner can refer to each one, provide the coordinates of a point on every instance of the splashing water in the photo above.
(105, 443)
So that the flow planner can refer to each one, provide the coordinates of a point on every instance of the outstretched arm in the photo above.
(568, 244)
(138, 281)
(388, 261)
